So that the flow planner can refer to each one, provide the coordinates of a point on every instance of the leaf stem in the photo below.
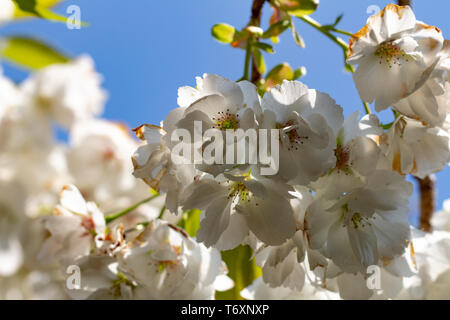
(342, 32)
(161, 213)
(341, 43)
(111, 217)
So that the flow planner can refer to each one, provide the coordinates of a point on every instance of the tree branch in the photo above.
(404, 2)
(427, 201)
(255, 20)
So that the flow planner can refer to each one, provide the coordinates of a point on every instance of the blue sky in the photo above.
(146, 49)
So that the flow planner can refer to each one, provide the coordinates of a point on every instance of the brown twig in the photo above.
(427, 201)
(404, 2)
(255, 20)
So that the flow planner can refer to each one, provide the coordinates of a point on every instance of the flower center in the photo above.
(226, 120)
(358, 221)
(342, 157)
(239, 190)
(294, 137)
(88, 224)
(390, 54)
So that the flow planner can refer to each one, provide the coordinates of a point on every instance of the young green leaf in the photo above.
(299, 8)
(190, 221)
(278, 73)
(40, 9)
(258, 60)
(297, 37)
(43, 3)
(299, 72)
(242, 269)
(276, 29)
(330, 27)
(223, 32)
(264, 46)
(30, 53)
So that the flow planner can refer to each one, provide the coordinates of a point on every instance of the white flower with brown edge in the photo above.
(415, 148)
(153, 164)
(431, 103)
(395, 54)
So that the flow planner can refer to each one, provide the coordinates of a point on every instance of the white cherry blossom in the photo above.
(431, 103)
(364, 225)
(233, 205)
(68, 92)
(168, 264)
(413, 147)
(395, 53)
(73, 228)
(308, 121)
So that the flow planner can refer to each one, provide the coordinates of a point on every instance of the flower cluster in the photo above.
(339, 200)
(405, 64)
(321, 200)
(44, 236)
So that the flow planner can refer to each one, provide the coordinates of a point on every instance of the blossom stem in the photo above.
(248, 55)
(343, 32)
(341, 43)
(161, 213)
(113, 216)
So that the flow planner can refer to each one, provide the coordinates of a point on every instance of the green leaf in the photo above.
(297, 38)
(299, 8)
(264, 46)
(281, 72)
(276, 29)
(223, 32)
(190, 221)
(299, 72)
(278, 73)
(330, 27)
(242, 269)
(19, 13)
(258, 60)
(39, 8)
(30, 53)
(387, 126)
